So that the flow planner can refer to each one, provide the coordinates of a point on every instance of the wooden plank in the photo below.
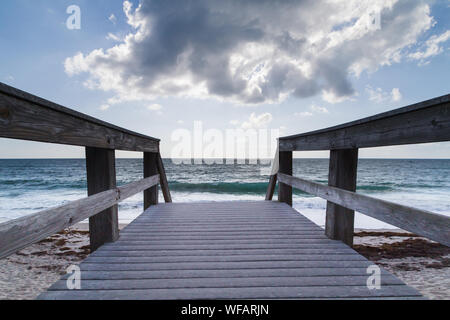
(284, 190)
(224, 233)
(234, 293)
(229, 248)
(150, 169)
(218, 229)
(424, 122)
(219, 238)
(246, 225)
(177, 223)
(223, 265)
(222, 245)
(164, 184)
(240, 252)
(220, 242)
(133, 188)
(225, 283)
(225, 258)
(101, 176)
(27, 117)
(343, 170)
(20, 233)
(156, 261)
(271, 187)
(247, 273)
(424, 223)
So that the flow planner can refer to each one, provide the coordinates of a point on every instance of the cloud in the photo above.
(251, 52)
(314, 109)
(378, 95)
(155, 107)
(105, 107)
(396, 94)
(113, 37)
(112, 18)
(304, 114)
(431, 48)
(318, 109)
(257, 122)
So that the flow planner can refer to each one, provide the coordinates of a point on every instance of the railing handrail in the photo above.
(423, 122)
(14, 92)
(24, 116)
(27, 117)
(428, 224)
(408, 125)
(22, 232)
(384, 115)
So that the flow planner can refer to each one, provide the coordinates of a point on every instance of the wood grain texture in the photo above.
(101, 176)
(424, 223)
(340, 221)
(313, 292)
(150, 169)
(27, 117)
(20, 233)
(163, 181)
(228, 264)
(271, 187)
(284, 190)
(424, 122)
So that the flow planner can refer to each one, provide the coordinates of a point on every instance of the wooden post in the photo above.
(271, 187)
(150, 169)
(101, 176)
(343, 171)
(163, 179)
(284, 190)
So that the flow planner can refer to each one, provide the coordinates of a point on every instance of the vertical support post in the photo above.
(343, 172)
(271, 187)
(150, 169)
(163, 179)
(101, 176)
(285, 191)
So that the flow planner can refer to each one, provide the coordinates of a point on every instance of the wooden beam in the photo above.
(101, 176)
(20, 233)
(164, 183)
(271, 187)
(424, 122)
(27, 117)
(284, 190)
(424, 223)
(343, 171)
(150, 169)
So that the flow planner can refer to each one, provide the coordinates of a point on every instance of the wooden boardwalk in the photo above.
(229, 250)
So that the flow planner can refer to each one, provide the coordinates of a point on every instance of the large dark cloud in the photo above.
(250, 52)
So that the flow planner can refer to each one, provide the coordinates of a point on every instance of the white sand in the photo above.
(429, 276)
(33, 270)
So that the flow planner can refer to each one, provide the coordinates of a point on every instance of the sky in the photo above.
(159, 66)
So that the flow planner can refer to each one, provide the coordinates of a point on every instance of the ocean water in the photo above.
(28, 186)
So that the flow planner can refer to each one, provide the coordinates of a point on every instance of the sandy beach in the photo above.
(420, 263)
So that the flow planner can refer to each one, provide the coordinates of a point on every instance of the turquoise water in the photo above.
(28, 186)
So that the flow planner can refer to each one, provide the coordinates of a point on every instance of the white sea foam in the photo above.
(30, 186)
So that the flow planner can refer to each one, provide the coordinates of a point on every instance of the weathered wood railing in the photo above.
(423, 122)
(27, 117)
